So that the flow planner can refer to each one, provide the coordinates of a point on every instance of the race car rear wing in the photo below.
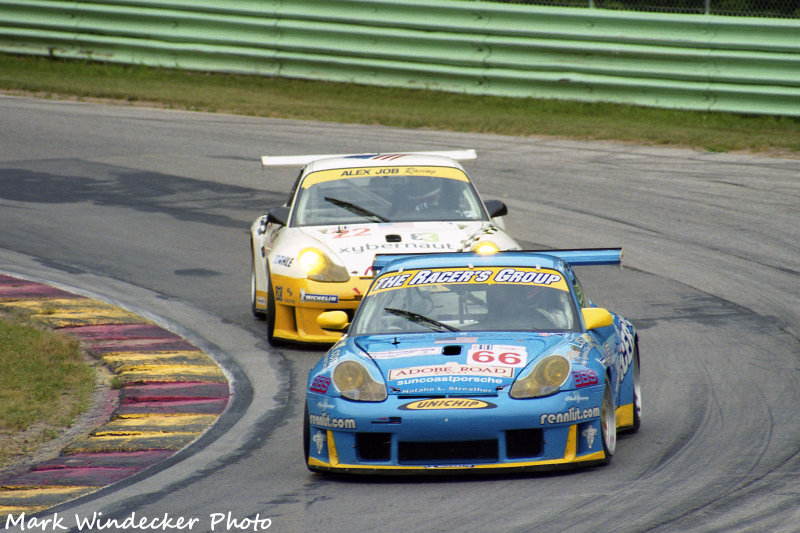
(575, 257)
(300, 160)
(587, 256)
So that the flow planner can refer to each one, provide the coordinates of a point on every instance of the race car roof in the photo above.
(551, 259)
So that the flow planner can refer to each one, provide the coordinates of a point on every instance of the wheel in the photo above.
(306, 435)
(608, 424)
(270, 312)
(260, 315)
(637, 395)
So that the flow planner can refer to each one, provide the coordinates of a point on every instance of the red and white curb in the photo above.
(170, 393)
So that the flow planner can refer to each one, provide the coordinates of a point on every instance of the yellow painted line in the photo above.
(61, 312)
(30, 499)
(132, 442)
(166, 368)
(194, 357)
(11, 510)
(167, 373)
(119, 362)
(124, 433)
(158, 422)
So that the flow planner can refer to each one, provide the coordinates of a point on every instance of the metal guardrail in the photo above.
(734, 8)
(697, 62)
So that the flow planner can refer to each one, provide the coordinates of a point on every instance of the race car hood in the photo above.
(356, 245)
(448, 363)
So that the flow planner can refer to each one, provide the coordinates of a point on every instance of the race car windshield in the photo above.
(466, 307)
(392, 198)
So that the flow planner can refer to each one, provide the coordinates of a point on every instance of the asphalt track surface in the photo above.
(149, 210)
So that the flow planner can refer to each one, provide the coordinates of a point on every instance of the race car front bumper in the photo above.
(513, 435)
(298, 303)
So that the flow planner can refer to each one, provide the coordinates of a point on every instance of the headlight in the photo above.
(546, 378)
(485, 247)
(355, 382)
(319, 267)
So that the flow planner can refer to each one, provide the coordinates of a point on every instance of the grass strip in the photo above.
(45, 382)
(409, 108)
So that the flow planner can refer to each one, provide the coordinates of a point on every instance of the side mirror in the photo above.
(596, 317)
(496, 208)
(332, 320)
(278, 215)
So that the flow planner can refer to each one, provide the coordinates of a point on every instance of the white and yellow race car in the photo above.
(315, 253)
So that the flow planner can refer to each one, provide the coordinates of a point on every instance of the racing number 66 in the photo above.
(487, 357)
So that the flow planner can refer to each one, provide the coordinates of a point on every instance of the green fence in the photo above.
(700, 62)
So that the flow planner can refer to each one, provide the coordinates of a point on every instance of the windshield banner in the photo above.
(443, 276)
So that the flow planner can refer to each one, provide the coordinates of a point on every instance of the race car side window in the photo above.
(576, 284)
(294, 189)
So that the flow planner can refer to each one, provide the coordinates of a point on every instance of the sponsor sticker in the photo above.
(589, 434)
(448, 467)
(327, 421)
(345, 232)
(451, 369)
(319, 441)
(434, 276)
(318, 298)
(399, 170)
(283, 260)
(332, 357)
(574, 414)
(585, 378)
(497, 354)
(457, 340)
(407, 352)
(394, 246)
(320, 384)
(576, 397)
(447, 403)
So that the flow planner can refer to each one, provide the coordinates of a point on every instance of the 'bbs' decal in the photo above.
(320, 384)
(584, 378)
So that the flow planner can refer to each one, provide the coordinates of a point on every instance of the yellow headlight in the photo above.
(546, 378)
(311, 261)
(319, 267)
(554, 370)
(348, 376)
(354, 382)
(485, 247)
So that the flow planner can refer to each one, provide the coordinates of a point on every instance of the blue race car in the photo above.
(461, 362)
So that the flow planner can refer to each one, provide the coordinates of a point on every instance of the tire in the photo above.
(260, 315)
(306, 435)
(608, 424)
(637, 395)
(271, 313)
